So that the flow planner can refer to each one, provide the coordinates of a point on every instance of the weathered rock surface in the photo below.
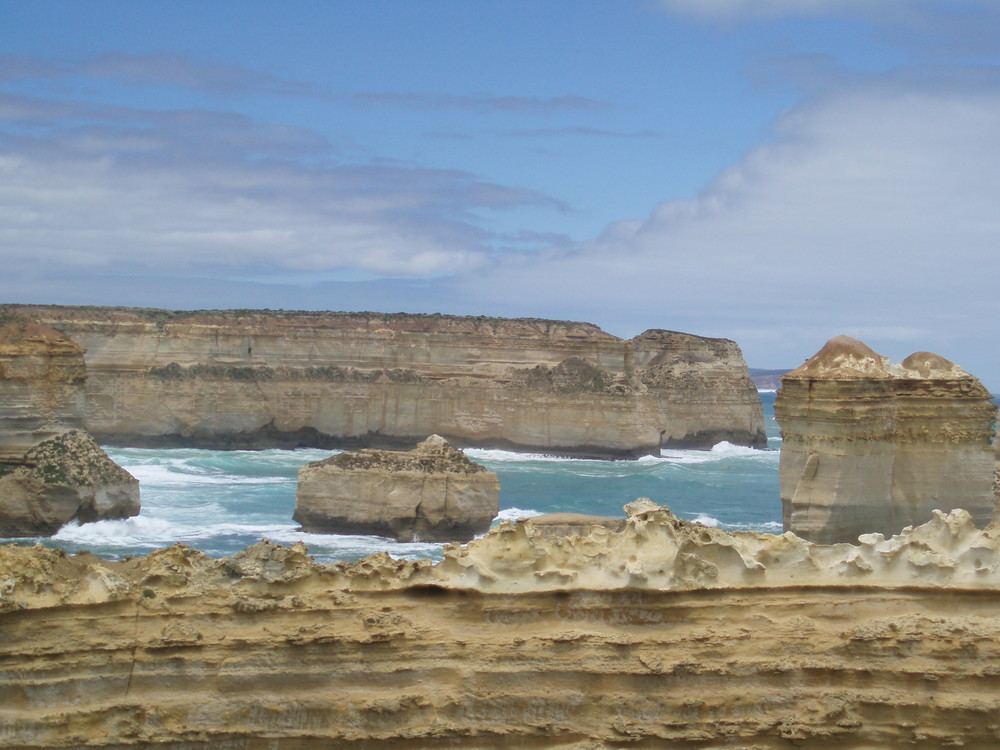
(874, 447)
(281, 379)
(42, 394)
(569, 524)
(63, 479)
(432, 493)
(667, 634)
(50, 472)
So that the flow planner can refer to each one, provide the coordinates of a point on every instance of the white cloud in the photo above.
(100, 188)
(873, 209)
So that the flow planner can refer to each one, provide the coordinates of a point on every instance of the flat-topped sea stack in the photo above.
(256, 379)
(873, 447)
(432, 493)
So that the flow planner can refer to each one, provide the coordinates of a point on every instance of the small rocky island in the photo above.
(432, 493)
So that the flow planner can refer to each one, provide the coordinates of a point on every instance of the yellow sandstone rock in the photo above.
(873, 447)
(666, 634)
(281, 379)
(432, 493)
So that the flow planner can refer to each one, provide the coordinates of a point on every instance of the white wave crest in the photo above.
(514, 514)
(499, 456)
(175, 474)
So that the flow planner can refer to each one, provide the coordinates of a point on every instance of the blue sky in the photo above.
(772, 171)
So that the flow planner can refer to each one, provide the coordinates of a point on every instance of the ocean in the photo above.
(221, 501)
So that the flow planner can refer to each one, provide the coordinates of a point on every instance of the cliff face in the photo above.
(42, 378)
(51, 472)
(264, 379)
(869, 446)
(666, 634)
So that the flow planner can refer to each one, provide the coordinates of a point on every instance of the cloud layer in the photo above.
(873, 211)
(110, 188)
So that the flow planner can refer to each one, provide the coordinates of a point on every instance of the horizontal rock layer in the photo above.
(432, 493)
(869, 446)
(666, 634)
(263, 379)
(42, 377)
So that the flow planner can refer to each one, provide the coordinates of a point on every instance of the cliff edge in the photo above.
(257, 378)
(665, 634)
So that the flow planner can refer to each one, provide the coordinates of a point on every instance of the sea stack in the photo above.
(51, 472)
(873, 447)
(432, 493)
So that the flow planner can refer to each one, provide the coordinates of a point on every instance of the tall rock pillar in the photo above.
(837, 417)
(944, 424)
(873, 447)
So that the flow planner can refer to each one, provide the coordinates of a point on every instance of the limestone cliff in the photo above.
(276, 378)
(51, 473)
(42, 395)
(870, 446)
(666, 634)
(432, 493)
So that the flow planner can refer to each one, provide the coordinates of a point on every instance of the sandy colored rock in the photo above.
(67, 478)
(42, 377)
(667, 634)
(570, 524)
(432, 493)
(345, 380)
(873, 447)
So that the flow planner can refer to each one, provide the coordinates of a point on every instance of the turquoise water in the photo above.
(222, 501)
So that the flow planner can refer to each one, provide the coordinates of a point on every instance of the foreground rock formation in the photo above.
(432, 493)
(870, 446)
(258, 379)
(666, 634)
(51, 473)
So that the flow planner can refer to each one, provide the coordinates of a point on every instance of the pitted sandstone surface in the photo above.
(666, 634)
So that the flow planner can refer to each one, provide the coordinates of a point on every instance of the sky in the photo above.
(776, 172)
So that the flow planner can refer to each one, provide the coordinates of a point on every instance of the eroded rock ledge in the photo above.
(666, 634)
(258, 378)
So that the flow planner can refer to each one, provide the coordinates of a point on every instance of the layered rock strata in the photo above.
(51, 473)
(42, 376)
(282, 379)
(874, 447)
(432, 493)
(572, 524)
(666, 634)
(68, 478)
